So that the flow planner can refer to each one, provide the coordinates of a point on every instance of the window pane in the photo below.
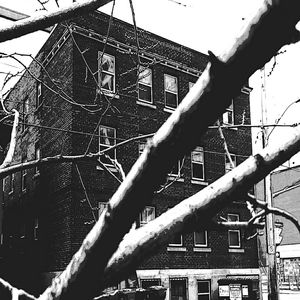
(234, 238)
(176, 240)
(108, 63)
(147, 283)
(197, 156)
(145, 93)
(171, 100)
(197, 171)
(145, 76)
(203, 287)
(203, 297)
(178, 290)
(107, 81)
(171, 84)
(200, 238)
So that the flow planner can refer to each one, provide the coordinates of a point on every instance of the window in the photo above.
(36, 229)
(147, 215)
(176, 240)
(178, 288)
(203, 289)
(228, 116)
(228, 166)
(106, 140)
(101, 207)
(145, 85)
(1, 239)
(23, 180)
(146, 283)
(25, 112)
(234, 235)
(197, 158)
(10, 183)
(106, 72)
(176, 169)
(171, 91)
(37, 157)
(38, 95)
(200, 238)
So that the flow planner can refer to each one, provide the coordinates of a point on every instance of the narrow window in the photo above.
(106, 72)
(228, 165)
(23, 180)
(197, 159)
(203, 289)
(234, 235)
(25, 112)
(178, 288)
(106, 140)
(39, 94)
(101, 207)
(200, 238)
(37, 157)
(11, 180)
(147, 215)
(171, 91)
(228, 116)
(36, 229)
(145, 85)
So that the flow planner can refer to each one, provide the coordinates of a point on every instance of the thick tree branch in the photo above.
(42, 21)
(8, 292)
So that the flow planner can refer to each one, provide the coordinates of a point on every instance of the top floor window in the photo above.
(106, 140)
(228, 165)
(197, 157)
(145, 85)
(106, 72)
(228, 116)
(171, 91)
(38, 94)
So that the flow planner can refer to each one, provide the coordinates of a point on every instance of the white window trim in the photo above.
(106, 146)
(209, 289)
(206, 240)
(39, 94)
(198, 149)
(166, 91)
(177, 245)
(148, 85)
(105, 91)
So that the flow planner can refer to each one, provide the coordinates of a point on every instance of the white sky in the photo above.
(199, 24)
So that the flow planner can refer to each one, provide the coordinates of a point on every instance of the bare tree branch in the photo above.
(7, 291)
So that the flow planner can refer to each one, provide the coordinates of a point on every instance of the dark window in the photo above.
(234, 235)
(146, 283)
(106, 140)
(197, 158)
(203, 290)
(178, 289)
(171, 91)
(200, 238)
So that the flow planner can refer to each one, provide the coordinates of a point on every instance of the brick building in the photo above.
(86, 96)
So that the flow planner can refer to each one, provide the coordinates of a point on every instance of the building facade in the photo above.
(96, 82)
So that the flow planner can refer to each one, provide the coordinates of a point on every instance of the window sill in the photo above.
(175, 178)
(110, 94)
(231, 128)
(110, 168)
(199, 182)
(201, 249)
(176, 249)
(146, 104)
(169, 110)
(236, 250)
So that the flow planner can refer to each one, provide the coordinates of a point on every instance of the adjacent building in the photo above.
(96, 82)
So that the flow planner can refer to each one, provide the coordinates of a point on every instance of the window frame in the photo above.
(101, 55)
(179, 166)
(204, 293)
(198, 149)
(234, 159)
(142, 223)
(177, 245)
(37, 154)
(158, 280)
(11, 181)
(206, 239)
(145, 84)
(25, 112)
(234, 231)
(225, 118)
(167, 91)
(183, 279)
(38, 94)
(105, 146)
(24, 178)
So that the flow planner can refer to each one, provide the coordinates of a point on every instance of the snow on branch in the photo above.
(9, 292)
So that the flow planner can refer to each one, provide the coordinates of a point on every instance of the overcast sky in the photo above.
(200, 24)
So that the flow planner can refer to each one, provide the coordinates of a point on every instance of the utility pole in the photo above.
(270, 240)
